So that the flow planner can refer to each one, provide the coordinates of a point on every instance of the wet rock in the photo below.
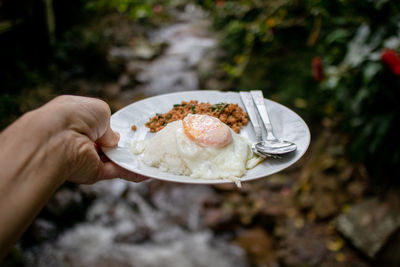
(192, 12)
(64, 200)
(356, 189)
(259, 245)
(302, 248)
(132, 67)
(207, 65)
(369, 225)
(141, 49)
(167, 83)
(325, 205)
(187, 203)
(164, 66)
(144, 50)
(106, 213)
(274, 209)
(110, 189)
(218, 219)
(130, 234)
(42, 230)
(146, 214)
(124, 53)
(192, 47)
(124, 80)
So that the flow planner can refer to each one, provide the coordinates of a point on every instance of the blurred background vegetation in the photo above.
(324, 59)
(335, 62)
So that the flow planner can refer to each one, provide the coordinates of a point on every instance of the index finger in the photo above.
(112, 170)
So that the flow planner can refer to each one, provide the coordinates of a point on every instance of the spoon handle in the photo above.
(249, 105)
(258, 99)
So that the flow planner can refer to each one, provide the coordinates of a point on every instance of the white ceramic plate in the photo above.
(286, 123)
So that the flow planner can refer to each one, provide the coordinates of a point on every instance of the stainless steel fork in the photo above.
(251, 110)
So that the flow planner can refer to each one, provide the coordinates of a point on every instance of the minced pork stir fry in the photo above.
(230, 114)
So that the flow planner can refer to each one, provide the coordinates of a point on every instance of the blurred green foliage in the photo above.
(365, 95)
(28, 60)
(322, 58)
(137, 10)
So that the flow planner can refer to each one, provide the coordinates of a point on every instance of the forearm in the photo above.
(44, 148)
(28, 179)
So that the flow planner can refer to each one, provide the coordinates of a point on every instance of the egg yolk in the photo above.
(207, 131)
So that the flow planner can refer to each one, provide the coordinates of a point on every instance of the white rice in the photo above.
(161, 151)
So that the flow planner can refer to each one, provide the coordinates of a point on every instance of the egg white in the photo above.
(213, 163)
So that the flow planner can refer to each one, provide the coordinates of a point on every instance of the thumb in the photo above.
(109, 138)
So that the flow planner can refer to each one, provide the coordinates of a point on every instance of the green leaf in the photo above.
(370, 70)
(338, 35)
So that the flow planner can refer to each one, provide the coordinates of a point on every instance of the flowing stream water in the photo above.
(146, 224)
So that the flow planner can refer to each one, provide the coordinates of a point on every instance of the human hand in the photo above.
(86, 122)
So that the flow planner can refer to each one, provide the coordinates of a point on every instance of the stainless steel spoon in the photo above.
(271, 145)
(251, 110)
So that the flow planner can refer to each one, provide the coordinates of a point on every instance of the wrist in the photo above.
(42, 147)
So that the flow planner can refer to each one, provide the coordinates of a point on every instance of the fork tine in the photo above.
(272, 156)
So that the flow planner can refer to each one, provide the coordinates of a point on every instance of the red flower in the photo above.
(158, 8)
(317, 69)
(392, 60)
(220, 3)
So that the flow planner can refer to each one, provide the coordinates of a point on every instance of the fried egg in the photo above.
(199, 146)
